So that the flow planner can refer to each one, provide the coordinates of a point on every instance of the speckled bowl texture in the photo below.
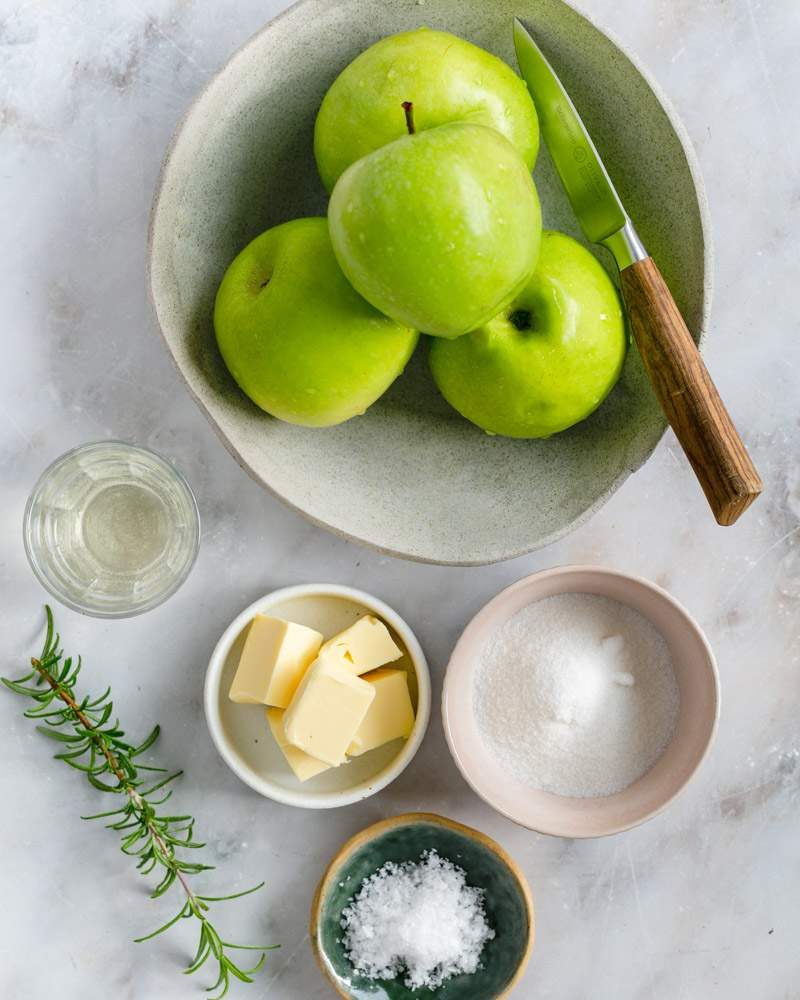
(411, 477)
(508, 906)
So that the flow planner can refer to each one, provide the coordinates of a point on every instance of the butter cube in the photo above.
(389, 716)
(274, 658)
(327, 709)
(302, 764)
(365, 645)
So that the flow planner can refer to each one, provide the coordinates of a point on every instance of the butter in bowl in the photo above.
(326, 701)
(317, 696)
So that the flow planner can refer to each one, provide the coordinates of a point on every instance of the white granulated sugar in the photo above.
(576, 695)
(418, 918)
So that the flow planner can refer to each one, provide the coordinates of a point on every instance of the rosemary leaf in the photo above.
(95, 745)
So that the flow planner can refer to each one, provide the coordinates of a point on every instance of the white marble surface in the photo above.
(699, 904)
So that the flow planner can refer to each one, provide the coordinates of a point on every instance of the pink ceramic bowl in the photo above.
(698, 683)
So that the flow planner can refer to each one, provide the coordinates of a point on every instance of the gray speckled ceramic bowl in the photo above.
(411, 477)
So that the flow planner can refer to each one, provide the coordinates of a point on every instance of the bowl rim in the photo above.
(297, 797)
(369, 833)
(497, 556)
(486, 612)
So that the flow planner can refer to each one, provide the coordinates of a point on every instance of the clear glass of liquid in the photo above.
(111, 530)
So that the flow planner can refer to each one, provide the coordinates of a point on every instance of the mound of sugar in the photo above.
(576, 695)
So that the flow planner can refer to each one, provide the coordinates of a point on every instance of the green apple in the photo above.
(438, 229)
(297, 338)
(546, 361)
(446, 78)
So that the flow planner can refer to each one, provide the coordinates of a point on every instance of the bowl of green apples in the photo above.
(365, 269)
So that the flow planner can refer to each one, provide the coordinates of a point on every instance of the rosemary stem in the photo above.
(95, 744)
(121, 777)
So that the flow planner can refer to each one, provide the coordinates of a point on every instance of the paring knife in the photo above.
(671, 359)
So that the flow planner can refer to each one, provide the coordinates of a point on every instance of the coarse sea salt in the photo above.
(576, 695)
(418, 918)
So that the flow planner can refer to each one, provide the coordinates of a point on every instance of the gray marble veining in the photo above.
(700, 904)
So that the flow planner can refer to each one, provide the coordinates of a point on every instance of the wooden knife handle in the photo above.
(687, 395)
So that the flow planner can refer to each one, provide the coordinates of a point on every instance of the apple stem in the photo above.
(408, 107)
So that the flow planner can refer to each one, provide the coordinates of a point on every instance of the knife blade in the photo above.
(671, 359)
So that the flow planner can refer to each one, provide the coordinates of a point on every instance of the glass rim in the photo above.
(90, 610)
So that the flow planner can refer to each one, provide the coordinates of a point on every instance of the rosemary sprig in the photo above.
(94, 744)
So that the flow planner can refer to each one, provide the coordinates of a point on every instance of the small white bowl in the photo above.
(560, 815)
(242, 736)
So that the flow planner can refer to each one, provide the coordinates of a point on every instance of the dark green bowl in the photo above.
(508, 904)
